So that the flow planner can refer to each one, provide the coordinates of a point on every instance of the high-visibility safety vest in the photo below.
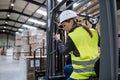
(87, 46)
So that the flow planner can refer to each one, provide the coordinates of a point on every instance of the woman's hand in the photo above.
(56, 36)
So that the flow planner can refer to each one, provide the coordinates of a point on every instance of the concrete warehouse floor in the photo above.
(9, 68)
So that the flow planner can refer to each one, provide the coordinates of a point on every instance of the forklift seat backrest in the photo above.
(96, 71)
(97, 67)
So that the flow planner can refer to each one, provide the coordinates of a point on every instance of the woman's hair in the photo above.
(88, 30)
(85, 27)
(78, 24)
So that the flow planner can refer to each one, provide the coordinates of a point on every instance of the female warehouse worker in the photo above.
(81, 44)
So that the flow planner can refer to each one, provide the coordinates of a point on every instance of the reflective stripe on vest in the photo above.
(84, 62)
(83, 70)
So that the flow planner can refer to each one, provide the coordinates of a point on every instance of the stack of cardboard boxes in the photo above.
(17, 47)
(31, 40)
(28, 41)
(37, 39)
(1, 51)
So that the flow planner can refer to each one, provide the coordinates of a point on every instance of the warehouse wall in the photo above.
(6, 41)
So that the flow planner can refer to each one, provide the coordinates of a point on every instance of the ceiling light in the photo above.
(29, 27)
(17, 33)
(6, 22)
(12, 4)
(42, 12)
(4, 26)
(75, 5)
(8, 15)
(36, 21)
(3, 30)
(59, 0)
(20, 30)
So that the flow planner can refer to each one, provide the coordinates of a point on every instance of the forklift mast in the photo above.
(106, 11)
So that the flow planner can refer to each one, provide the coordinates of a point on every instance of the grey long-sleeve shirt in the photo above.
(68, 46)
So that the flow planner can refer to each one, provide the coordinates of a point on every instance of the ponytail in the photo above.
(86, 28)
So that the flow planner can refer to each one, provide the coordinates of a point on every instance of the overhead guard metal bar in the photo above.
(81, 5)
(93, 11)
(70, 5)
(83, 15)
(89, 7)
(58, 6)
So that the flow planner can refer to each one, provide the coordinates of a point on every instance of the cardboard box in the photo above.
(30, 76)
(16, 55)
(1, 51)
(17, 49)
(26, 53)
(35, 32)
(18, 42)
(25, 40)
(18, 36)
(36, 46)
(27, 65)
(25, 33)
(35, 39)
(25, 48)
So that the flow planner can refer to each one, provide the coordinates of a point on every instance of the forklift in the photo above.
(106, 12)
(54, 10)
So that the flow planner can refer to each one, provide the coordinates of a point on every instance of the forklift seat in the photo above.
(96, 71)
(97, 64)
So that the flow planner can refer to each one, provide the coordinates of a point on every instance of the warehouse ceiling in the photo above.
(16, 15)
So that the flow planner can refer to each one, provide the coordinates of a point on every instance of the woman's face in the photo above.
(67, 25)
